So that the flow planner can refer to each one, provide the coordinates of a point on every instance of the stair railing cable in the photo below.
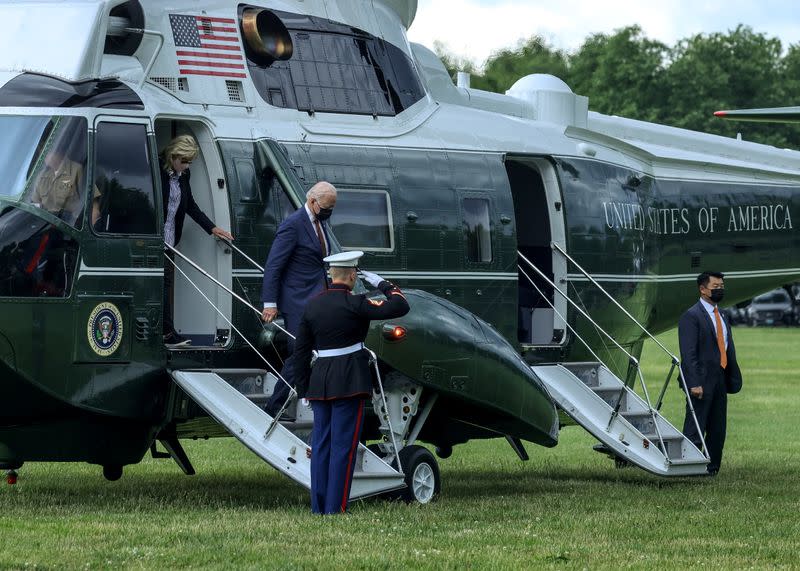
(612, 355)
(675, 361)
(560, 316)
(232, 246)
(631, 359)
(292, 391)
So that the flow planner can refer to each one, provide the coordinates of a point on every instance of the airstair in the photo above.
(233, 397)
(629, 427)
(281, 445)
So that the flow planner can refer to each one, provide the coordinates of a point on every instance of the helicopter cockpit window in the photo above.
(362, 220)
(43, 163)
(477, 227)
(124, 181)
(36, 258)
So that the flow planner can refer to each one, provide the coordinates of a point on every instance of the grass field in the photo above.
(567, 508)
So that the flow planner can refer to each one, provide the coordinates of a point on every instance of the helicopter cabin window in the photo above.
(124, 197)
(246, 175)
(362, 220)
(477, 228)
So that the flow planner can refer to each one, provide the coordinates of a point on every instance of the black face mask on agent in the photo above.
(717, 294)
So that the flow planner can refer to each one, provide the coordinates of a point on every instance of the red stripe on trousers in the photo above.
(353, 448)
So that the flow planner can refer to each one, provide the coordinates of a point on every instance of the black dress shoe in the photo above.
(174, 340)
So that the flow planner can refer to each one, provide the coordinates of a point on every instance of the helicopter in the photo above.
(539, 244)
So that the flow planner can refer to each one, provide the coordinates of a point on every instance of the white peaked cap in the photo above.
(344, 259)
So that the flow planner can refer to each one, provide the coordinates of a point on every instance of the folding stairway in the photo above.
(279, 445)
(589, 392)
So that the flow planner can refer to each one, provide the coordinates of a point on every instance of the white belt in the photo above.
(340, 351)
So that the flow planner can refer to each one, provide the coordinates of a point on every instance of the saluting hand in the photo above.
(371, 278)
(269, 314)
(220, 233)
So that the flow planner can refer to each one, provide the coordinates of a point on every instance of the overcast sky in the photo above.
(476, 28)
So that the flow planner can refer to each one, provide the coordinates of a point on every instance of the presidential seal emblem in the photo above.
(105, 329)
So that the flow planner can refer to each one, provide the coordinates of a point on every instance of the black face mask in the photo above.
(717, 295)
(324, 214)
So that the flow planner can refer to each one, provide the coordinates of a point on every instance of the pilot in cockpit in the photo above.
(57, 187)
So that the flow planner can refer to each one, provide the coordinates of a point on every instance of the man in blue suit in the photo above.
(295, 272)
(709, 367)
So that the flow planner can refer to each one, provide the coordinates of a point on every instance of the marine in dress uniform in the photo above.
(335, 324)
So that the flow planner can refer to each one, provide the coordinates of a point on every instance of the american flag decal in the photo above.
(207, 46)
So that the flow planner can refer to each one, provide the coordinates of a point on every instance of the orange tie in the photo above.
(723, 356)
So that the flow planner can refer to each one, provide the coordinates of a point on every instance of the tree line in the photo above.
(630, 75)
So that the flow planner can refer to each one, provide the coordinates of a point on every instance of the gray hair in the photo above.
(322, 188)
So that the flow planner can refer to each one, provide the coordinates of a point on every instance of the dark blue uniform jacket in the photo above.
(336, 319)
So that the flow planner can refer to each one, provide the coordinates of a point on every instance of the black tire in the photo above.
(112, 472)
(423, 482)
(444, 452)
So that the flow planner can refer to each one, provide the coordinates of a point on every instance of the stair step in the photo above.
(633, 436)
(610, 396)
(687, 461)
(588, 373)
(640, 420)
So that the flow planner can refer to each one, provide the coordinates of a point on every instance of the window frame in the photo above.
(389, 216)
(462, 196)
(155, 166)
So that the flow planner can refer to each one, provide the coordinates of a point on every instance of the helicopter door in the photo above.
(539, 222)
(121, 268)
(194, 317)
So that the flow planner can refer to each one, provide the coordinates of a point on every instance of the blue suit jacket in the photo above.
(294, 272)
(700, 352)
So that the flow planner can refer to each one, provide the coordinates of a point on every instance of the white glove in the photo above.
(371, 279)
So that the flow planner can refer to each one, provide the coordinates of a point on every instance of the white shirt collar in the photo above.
(310, 213)
(709, 307)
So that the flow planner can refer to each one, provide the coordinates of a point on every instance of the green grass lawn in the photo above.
(567, 508)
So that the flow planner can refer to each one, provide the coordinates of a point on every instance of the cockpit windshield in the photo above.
(43, 162)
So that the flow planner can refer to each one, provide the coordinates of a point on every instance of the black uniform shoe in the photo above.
(173, 340)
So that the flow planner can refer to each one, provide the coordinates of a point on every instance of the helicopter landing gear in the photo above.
(423, 483)
(112, 472)
(444, 452)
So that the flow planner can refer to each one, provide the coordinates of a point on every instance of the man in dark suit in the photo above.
(709, 367)
(295, 272)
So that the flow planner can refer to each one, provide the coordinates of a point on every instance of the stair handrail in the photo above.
(231, 245)
(292, 390)
(633, 360)
(559, 249)
(675, 361)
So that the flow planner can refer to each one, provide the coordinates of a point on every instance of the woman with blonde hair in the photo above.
(178, 202)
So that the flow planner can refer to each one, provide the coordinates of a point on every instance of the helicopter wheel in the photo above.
(423, 483)
(444, 452)
(112, 472)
